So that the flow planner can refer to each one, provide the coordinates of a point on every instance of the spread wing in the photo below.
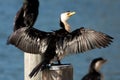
(19, 19)
(26, 16)
(82, 40)
(30, 40)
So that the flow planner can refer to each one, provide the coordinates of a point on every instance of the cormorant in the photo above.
(27, 14)
(94, 70)
(53, 46)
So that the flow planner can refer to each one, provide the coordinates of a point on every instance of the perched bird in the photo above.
(27, 14)
(53, 46)
(94, 70)
(26, 38)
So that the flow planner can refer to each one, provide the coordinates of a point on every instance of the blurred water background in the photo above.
(101, 15)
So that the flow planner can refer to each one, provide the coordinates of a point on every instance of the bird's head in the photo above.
(97, 63)
(66, 15)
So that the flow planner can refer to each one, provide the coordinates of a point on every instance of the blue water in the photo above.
(101, 15)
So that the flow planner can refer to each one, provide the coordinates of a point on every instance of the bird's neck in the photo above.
(65, 25)
(93, 68)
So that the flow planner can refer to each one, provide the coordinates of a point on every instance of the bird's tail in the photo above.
(40, 67)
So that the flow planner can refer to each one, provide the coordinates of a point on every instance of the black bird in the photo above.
(53, 46)
(94, 70)
(27, 14)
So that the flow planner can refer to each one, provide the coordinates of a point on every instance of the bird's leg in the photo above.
(58, 60)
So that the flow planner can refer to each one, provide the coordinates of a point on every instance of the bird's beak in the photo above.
(72, 13)
(105, 60)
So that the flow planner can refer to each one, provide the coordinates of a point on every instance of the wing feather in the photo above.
(30, 40)
(82, 40)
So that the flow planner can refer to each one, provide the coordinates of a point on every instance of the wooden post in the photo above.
(30, 61)
(58, 72)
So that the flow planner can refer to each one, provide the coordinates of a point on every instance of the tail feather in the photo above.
(40, 67)
(35, 70)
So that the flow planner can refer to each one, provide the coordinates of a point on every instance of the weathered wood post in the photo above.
(30, 61)
(58, 72)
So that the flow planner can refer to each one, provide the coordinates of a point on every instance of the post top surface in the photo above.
(61, 66)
